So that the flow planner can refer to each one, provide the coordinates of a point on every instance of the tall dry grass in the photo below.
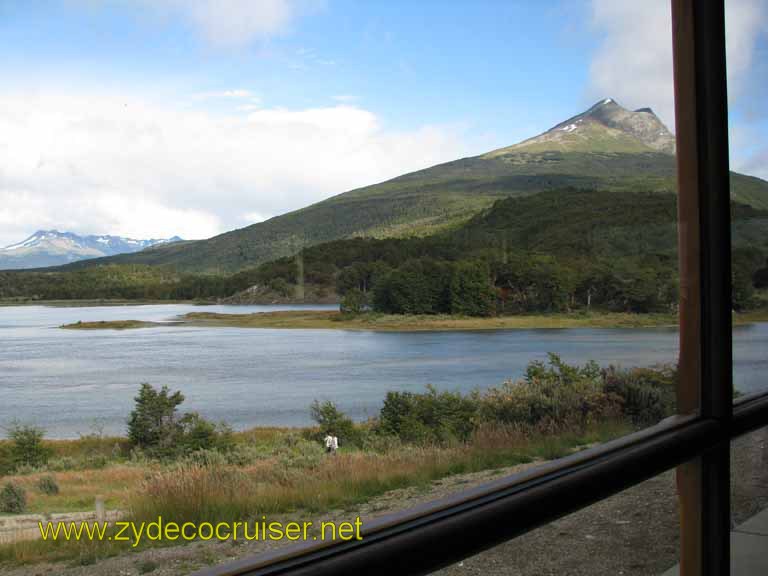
(198, 492)
(212, 492)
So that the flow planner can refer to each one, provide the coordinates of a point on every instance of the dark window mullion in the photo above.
(705, 305)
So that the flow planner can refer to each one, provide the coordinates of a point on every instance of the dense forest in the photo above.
(549, 252)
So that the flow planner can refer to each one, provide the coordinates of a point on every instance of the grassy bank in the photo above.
(331, 320)
(290, 477)
(110, 325)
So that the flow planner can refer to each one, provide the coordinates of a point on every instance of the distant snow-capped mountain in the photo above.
(54, 248)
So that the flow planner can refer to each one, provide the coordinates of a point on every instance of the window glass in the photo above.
(255, 269)
(748, 119)
(749, 500)
(633, 533)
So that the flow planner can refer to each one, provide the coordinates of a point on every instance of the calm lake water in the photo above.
(66, 380)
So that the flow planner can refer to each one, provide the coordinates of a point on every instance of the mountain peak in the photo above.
(604, 127)
(52, 247)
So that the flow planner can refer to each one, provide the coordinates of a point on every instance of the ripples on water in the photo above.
(65, 380)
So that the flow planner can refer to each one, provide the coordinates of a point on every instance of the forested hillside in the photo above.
(554, 251)
(606, 148)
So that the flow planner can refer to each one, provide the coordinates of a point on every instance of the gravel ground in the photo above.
(633, 533)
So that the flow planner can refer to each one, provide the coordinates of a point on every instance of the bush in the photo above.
(331, 419)
(551, 397)
(13, 499)
(428, 418)
(279, 286)
(156, 430)
(353, 302)
(647, 394)
(26, 469)
(204, 457)
(242, 455)
(296, 452)
(96, 461)
(6, 459)
(146, 566)
(27, 447)
(62, 464)
(48, 485)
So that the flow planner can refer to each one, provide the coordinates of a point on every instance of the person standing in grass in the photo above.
(335, 444)
(329, 442)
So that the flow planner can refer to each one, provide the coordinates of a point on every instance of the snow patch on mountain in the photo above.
(53, 248)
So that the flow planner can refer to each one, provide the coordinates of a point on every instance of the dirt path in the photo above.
(634, 533)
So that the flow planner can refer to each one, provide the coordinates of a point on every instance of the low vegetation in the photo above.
(181, 466)
(373, 321)
(111, 325)
(13, 498)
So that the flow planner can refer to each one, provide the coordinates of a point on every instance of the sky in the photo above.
(154, 118)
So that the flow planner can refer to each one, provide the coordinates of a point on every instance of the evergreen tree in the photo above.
(154, 417)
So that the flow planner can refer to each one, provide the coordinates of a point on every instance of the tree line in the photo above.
(549, 252)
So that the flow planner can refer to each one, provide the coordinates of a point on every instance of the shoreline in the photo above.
(332, 320)
(99, 302)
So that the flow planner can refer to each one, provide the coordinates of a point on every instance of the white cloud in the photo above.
(634, 62)
(757, 164)
(249, 107)
(106, 163)
(237, 93)
(233, 22)
(254, 217)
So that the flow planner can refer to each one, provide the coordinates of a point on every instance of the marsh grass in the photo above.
(193, 492)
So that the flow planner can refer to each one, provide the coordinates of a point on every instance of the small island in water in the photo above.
(329, 319)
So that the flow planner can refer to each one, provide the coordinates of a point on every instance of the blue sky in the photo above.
(504, 67)
(152, 118)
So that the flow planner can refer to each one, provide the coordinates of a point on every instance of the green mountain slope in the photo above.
(607, 148)
(616, 250)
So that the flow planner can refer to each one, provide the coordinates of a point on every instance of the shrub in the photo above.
(146, 566)
(353, 302)
(380, 442)
(96, 461)
(48, 485)
(331, 419)
(206, 458)
(27, 448)
(280, 286)
(551, 397)
(62, 464)
(296, 452)
(429, 417)
(647, 394)
(26, 469)
(242, 455)
(156, 430)
(13, 499)
(195, 433)
(6, 459)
